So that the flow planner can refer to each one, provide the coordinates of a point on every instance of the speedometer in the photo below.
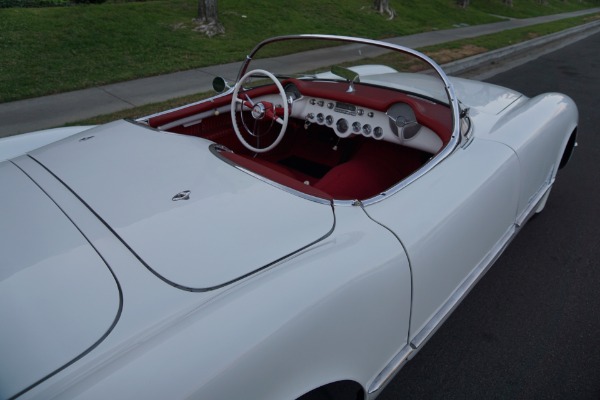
(342, 125)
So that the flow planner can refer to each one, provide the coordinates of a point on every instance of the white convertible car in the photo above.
(299, 235)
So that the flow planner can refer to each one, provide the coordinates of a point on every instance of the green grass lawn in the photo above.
(51, 50)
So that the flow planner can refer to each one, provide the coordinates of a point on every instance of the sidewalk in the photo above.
(57, 110)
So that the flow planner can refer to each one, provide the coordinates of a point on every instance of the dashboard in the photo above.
(397, 124)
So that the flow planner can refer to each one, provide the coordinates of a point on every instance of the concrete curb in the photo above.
(486, 65)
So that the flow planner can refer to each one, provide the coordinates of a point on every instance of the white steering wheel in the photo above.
(261, 113)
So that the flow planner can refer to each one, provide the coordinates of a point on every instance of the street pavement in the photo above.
(57, 110)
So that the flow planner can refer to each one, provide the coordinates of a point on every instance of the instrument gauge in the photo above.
(342, 125)
(356, 127)
(378, 132)
(366, 129)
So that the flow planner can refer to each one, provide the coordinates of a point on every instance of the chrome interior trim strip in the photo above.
(390, 370)
(450, 147)
(196, 118)
(145, 119)
(216, 150)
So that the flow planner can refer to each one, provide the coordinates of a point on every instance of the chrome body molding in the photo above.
(461, 292)
(534, 206)
(386, 375)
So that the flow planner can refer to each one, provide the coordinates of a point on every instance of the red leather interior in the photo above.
(376, 167)
(316, 161)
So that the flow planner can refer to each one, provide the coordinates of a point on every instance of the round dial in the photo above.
(378, 132)
(342, 125)
(329, 120)
(366, 129)
(356, 126)
(320, 118)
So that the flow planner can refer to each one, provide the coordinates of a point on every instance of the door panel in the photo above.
(449, 220)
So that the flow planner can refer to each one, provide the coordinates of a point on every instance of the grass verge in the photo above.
(51, 50)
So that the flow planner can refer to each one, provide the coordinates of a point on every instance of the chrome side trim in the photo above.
(461, 292)
(410, 350)
(386, 375)
(145, 119)
(532, 206)
(196, 118)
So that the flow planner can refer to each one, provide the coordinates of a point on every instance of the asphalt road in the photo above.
(531, 328)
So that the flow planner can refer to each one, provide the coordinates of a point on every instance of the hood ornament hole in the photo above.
(185, 195)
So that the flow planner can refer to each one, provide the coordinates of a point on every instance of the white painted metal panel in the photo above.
(537, 130)
(291, 327)
(232, 224)
(57, 297)
(17, 145)
(484, 97)
(450, 218)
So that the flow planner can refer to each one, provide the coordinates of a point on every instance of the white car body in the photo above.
(113, 284)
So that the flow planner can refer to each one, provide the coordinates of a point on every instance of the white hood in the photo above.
(483, 97)
(231, 226)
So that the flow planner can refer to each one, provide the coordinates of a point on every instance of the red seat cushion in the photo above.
(376, 167)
